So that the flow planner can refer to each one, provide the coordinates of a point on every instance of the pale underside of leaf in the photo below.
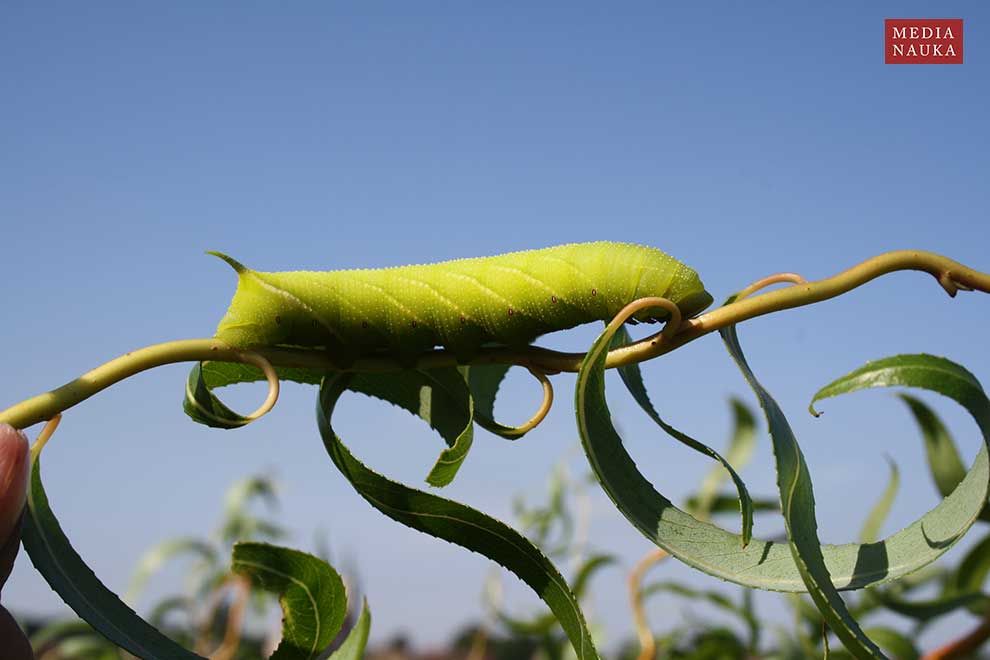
(762, 564)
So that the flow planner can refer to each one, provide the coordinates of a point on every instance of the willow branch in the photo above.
(951, 275)
(46, 406)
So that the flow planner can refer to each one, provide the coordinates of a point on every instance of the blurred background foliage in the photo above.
(223, 615)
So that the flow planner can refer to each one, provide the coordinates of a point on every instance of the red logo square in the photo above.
(923, 41)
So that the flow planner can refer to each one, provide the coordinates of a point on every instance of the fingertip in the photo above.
(12, 639)
(8, 431)
(14, 470)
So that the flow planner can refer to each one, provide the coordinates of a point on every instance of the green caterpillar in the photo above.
(461, 305)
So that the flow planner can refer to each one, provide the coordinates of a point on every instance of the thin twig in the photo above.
(951, 275)
(235, 619)
(647, 643)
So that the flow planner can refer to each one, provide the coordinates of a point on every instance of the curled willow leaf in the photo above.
(633, 380)
(456, 523)
(766, 564)
(797, 504)
(309, 590)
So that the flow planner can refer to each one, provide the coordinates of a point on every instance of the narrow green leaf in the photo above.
(152, 561)
(727, 504)
(456, 523)
(540, 522)
(240, 495)
(484, 381)
(874, 598)
(441, 398)
(739, 453)
(221, 374)
(72, 579)
(929, 372)
(309, 590)
(762, 564)
(744, 610)
(940, 449)
(973, 568)
(928, 609)
(797, 504)
(86, 648)
(944, 463)
(168, 606)
(945, 524)
(238, 523)
(544, 624)
(716, 598)
(588, 568)
(357, 638)
(938, 375)
(754, 625)
(805, 611)
(50, 633)
(204, 407)
(962, 589)
(789, 648)
(633, 379)
(878, 515)
(893, 642)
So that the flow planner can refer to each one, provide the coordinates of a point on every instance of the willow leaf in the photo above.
(52, 636)
(168, 607)
(962, 590)
(75, 582)
(457, 524)
(244, 491)
(86, 648)
(204, 407)
(973, 568)
(484, 381)
(357, 638)
(309, 590)
(878, 514)
(438, 396)
(441, 398)
(544, 624)
(931, 608)
(761, 564)
(726, 503)
(633, 379)
(944, 463)
(540, 522)
(156, 557)
(949, 379)
(940, 449)
(738, 454)
(797, 504)
(716, 598)
(221, 374)
(898, 645)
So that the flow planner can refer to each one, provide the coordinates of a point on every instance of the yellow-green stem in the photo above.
(951, 275)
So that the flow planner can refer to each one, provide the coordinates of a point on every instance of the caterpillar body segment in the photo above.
(461, 305)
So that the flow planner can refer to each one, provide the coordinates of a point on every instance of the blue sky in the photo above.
(742, 139)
